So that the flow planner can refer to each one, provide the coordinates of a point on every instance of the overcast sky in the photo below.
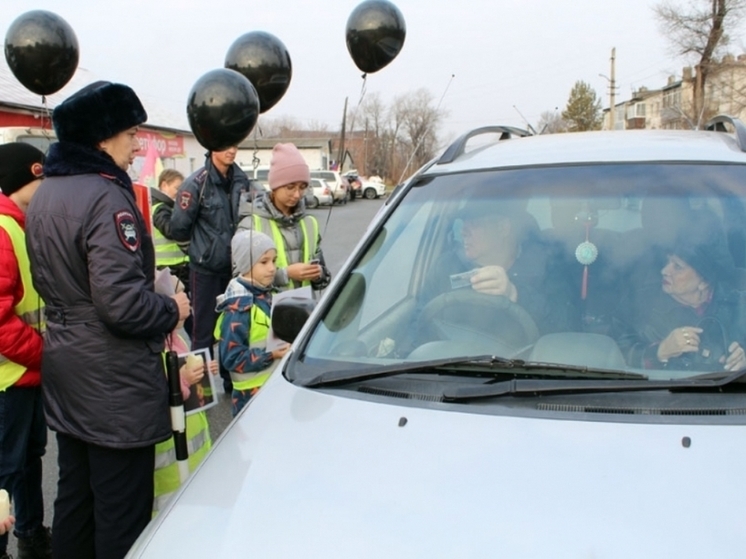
(525, 54)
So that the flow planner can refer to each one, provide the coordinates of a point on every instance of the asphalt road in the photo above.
(341, 229)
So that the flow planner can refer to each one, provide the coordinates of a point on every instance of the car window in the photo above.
(589, 244)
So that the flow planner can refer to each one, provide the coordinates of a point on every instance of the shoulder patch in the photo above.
(127, 230)
(185, 198)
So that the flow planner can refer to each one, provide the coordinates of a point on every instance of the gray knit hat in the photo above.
(247, 247)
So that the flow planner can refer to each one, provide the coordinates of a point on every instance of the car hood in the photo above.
(308, 474)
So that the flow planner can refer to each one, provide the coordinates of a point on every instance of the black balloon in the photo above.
(42, 51)
(222, 109)
(375, 34)
(265, 61)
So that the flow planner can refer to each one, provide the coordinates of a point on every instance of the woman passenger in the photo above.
(693, 319)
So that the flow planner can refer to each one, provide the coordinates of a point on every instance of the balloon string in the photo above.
(46, 119)
(363, 88)
(254, 157)
(254, 164)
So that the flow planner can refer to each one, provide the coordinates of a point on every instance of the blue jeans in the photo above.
(23, 440)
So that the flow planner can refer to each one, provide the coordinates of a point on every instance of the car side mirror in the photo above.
(289, 316)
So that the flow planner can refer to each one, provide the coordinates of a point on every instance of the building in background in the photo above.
(670, 107)
(319, 152)
(26, 117)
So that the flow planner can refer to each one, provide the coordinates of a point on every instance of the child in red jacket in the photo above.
(23, 431)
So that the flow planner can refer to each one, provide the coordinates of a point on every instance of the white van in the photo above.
(566, 401)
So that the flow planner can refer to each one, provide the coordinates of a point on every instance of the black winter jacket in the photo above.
(92, 262)
(206, 214)
(648, 315)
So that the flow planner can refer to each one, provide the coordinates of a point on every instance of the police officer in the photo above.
(23, 431)
(92, 262)
(206, 213)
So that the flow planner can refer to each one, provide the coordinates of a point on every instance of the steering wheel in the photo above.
(467, 315)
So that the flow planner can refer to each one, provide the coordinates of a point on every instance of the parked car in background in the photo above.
(260, 175)
(373, 188)
(419, 416)
(318, 194)
(337, 184)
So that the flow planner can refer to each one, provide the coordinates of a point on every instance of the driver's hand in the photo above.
(736, 359)
(493, 280)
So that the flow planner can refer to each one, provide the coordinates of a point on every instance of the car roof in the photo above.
(593, 147)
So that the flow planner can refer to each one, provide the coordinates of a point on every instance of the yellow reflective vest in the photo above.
(30, 308)
(310, 229)
(258, 331)
(166, 476)
(167, 252)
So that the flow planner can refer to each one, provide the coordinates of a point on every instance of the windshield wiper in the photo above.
(536, 387)
(478, 364)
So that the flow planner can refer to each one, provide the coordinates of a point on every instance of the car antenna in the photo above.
(528, 124)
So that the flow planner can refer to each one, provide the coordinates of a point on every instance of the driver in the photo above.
(501, 255)
(693, 318)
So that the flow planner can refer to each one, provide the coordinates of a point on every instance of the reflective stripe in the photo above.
(194, 444)
(167, 251)
(309, 242)
(30, 308)
(166, 477)
(258, 332)
(160, 501)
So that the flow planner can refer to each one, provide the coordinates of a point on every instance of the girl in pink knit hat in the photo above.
(281, 214)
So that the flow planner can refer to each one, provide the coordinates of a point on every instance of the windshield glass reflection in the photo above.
(627, 267)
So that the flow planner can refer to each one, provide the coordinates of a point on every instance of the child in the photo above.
(197, 429)
(244, 309)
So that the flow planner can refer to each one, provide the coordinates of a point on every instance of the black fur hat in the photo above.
(97, 112)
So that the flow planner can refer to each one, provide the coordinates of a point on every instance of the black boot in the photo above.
(37, 546)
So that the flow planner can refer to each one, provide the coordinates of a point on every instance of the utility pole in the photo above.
(341, 155)
(612, 89)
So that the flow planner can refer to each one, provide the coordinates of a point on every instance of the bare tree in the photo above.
(373, 119)
(700, 30)
(419, 126)
(395, 138)
(277, 127)
(551, 122)
(383, 140)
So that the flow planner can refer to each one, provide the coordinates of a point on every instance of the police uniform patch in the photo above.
(127, 230)
(185, 198)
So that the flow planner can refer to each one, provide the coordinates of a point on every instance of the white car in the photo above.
(373, 188)
(423, 414)
(318, 194)
(336, 183)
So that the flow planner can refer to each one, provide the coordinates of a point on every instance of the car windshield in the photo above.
(617, 267)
